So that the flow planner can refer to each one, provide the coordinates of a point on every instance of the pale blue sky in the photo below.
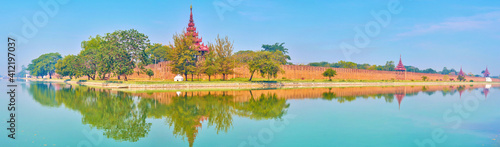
(427, 33)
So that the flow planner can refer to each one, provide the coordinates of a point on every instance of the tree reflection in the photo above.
(116, 114)
(44, 93)
(122, 116)
(264, 107)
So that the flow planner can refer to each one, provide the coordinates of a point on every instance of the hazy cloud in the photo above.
(476, 22)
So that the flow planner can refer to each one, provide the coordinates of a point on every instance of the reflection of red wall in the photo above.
(307, 93)
(163, 71)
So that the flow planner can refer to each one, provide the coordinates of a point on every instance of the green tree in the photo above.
(330, 73)
(445, 71)
(265, 62)
(126, 50)
(183, 55)
(223, 56)
(150, 73)
(133, 42)
(89, 57)
(424, 78)
(344, 64)
(209, 64)
(157, 52)
(461, 78)
(277, 47)
(23, 72)
(67, 66)
(44, 64)
(429, 70)
(389, 66)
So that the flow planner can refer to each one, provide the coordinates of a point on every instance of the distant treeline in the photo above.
(389, 66)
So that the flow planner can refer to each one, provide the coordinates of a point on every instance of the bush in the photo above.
(471, 81)
(150, 73)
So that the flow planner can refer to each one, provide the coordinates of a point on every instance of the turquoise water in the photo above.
(63, 115)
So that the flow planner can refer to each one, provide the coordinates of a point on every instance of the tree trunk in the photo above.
(208, 77)
(186, 76)
(251, 75)
(126, 78)
(223, 77)
(50, 76)
(118, 77)
(192, 77)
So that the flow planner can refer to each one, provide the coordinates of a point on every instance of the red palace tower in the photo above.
(486, 73)
(191, 31)
(400, 70)
(461, 73)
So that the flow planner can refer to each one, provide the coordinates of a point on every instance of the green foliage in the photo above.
(88, 58)
(183, 55)
(429, 70)
(265, 62)
(132, 42)
(66, 66)
(23, 72)
(344, 64)
(44, 64)
(223, 56)
(461, 78)
(150, 73)
(351, 65)
(389, 66)
(209, 65)
(330, 73)
(277, 47)
(157, 51)
(424, 78)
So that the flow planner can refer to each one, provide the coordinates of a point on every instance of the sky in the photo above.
(426, 33)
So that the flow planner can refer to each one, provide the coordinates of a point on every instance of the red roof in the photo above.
(400, 66)
(399, 97)
(461, 73)
(191, 31)
(486, 73)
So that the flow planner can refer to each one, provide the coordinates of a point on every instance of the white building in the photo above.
(178, 78)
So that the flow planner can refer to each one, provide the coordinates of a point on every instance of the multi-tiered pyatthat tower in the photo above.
(191, 31)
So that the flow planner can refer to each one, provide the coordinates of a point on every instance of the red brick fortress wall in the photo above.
(163, 72)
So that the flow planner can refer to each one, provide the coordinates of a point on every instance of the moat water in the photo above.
(50, 114)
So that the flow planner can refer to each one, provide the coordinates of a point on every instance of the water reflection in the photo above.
(122, 116)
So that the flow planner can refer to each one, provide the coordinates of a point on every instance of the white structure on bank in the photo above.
(487, 75)
(178, 78)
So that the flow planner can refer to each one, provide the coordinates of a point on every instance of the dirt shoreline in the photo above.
(252, 85)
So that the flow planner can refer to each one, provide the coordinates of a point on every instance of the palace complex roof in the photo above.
(400, 66)
(191, 31)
